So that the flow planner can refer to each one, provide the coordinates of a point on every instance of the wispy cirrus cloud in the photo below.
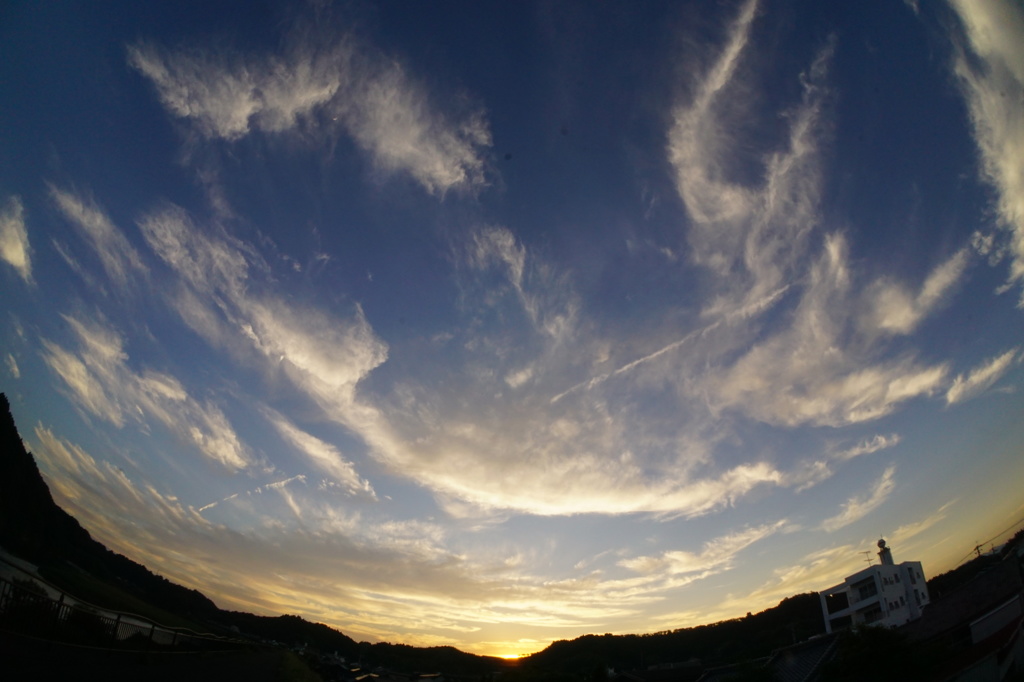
(449, 439)
(12, 366)
(228, 95)
(815, 371)
(860, 506)
(545, 296)
(814, 472)
(981, 378)
(119, 258)
(219, 297)
(99, 379)
(895, 310)
(868, 446)
(749, 236)
(371, 577)
(325, 82)
(989, 65)
(716, 555)
(817, 363)
(14, 247)
(322, 455)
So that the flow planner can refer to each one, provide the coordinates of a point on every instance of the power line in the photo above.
(978, 546)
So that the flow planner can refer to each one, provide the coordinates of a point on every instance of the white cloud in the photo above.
(902, 535)
(230, 95)
(118, 256)
(868, 446)
(205, 262)
(317, 82)
(484, 449)
(14, 248)
(324, 356)
(479, 440)
(697, 145)
(990, 68)
(818, 362)
(811, 367)
(324, 456)
(716, 555)
(100, 380)
(812, 473)
(392, 118)
(749, 237)
(517, 379)
(499, 245)
(482, 454)
(813, 371)
(12, 366)
(546, 298)
(898, 311)
(858, 507)
(980, 378)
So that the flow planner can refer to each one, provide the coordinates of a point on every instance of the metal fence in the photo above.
(27, 608)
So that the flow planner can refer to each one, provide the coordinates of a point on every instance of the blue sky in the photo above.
(494, 324)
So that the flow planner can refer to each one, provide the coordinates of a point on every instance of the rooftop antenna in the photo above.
(867, 557)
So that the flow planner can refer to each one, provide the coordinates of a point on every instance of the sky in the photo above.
(493, 324)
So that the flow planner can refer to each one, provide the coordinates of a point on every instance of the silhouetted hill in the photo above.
(30, 521)
(35, 528)
(757, 635)
(292, 631)
(446, 659)
(952, 580)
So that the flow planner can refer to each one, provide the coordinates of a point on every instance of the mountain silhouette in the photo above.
(33, 527)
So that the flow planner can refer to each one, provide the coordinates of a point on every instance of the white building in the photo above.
(887, 595)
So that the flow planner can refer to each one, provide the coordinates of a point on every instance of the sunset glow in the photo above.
(494, 324)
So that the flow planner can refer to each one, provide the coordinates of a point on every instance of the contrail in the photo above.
(600, 379)
(744, 312)
(260, 489)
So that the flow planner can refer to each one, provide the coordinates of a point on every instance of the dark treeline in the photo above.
(754, 636)
(947, 582)
(33, 527)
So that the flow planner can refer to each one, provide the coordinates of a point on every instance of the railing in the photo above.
(27, 608)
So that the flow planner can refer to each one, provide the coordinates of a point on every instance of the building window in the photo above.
(837, 602)
(865, 589)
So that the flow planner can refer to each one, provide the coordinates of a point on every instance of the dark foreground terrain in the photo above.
(32, 659)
